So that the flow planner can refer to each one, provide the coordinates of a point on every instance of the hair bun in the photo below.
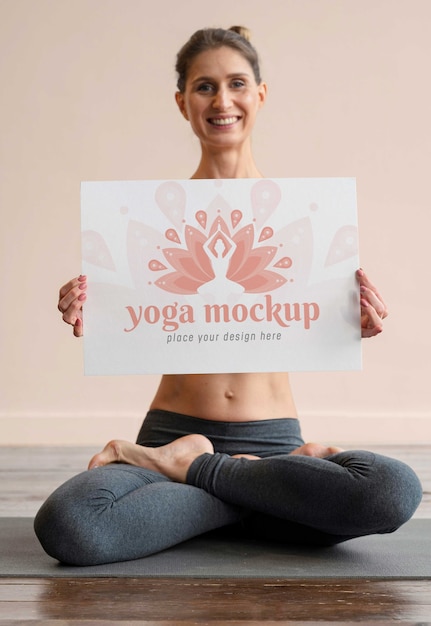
(242, 31)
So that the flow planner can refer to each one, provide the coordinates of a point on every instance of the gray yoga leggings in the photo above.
(121, 512)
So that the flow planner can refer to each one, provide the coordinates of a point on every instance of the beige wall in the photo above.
(87, 93)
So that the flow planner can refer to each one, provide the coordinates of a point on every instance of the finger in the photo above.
(71, 284)
(366, 282)
(73, 311)
(371, 323)
(71, 292)
(369, 296)
(78, 328)
(371, 332)
(370, 291)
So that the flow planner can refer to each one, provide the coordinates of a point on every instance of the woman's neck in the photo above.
(224, 163)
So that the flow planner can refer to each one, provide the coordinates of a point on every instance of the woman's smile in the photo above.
(223, 122)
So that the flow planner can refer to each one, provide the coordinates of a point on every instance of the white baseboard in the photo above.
(66, 430)
(74, 430)
(368, 429)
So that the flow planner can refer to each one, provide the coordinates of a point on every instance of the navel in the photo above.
(229, 394)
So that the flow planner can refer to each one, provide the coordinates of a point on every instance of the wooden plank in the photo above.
(223, 601)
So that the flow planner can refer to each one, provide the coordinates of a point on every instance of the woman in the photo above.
(222, 449)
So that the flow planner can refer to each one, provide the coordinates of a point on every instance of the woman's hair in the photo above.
(236, 37)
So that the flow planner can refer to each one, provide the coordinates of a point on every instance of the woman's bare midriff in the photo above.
(227, 397)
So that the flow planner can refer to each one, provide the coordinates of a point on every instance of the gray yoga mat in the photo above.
(403, 554)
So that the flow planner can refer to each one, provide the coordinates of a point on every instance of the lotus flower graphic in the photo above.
(220, 259)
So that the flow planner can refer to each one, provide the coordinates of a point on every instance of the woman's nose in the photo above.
(222, 100)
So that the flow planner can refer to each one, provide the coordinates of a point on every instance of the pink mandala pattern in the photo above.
(214, 243)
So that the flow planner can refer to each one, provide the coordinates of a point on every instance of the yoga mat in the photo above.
(403, 554)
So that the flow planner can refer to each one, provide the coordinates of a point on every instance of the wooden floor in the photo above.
(28, 475)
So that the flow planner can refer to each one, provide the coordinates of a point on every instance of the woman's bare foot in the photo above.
(317, 449)
(172, 460)
(309, 449)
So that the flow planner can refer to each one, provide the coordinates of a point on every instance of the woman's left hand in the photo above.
(373, 307)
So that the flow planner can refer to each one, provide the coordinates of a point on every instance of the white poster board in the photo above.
(232, 275)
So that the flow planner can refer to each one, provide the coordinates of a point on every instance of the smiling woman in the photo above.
(220, 92)
(222, 449)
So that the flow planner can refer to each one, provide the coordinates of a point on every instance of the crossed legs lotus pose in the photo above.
(174, 459)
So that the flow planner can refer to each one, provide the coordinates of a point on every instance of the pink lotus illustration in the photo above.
(220, 257)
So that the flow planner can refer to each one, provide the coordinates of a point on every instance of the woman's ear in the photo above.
(262, 91)
(179, 97)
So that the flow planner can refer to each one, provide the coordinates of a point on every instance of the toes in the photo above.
(317, 450)
(111, 453)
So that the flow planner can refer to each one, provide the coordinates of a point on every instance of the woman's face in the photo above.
(221, 98)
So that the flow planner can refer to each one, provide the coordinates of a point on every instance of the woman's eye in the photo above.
(238, 83)
(205, 87)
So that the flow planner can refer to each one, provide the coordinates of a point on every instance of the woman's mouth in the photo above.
(223, 121)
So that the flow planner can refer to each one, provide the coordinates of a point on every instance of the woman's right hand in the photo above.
(71, 298)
